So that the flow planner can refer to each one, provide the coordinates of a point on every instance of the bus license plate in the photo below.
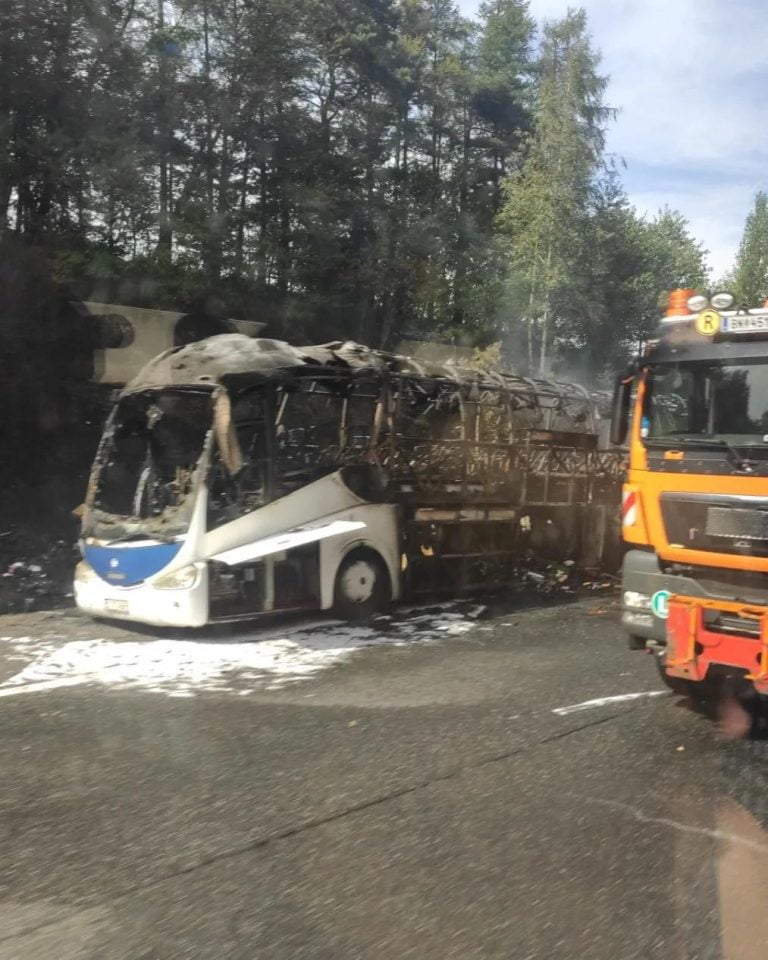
(116, 606)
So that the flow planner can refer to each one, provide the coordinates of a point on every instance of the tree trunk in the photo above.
(530, 343)
(544, 344)
(546, 313)
(460, 273)
(219, 218)
(531, 309)
(261, 260)
(209, 158)
(284, 214)
(241, 213)
(164, 232)
(391, 276)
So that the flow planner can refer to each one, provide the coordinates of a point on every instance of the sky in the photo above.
(690, 78)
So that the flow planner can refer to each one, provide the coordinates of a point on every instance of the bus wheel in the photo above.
(362, 585)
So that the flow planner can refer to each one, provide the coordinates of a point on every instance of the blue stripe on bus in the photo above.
(126, 566)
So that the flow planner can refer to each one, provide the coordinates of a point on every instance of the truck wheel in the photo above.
(362, 585)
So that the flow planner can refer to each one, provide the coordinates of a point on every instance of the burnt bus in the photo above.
(238, 476)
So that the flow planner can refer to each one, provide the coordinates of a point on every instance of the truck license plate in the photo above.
(116, 606)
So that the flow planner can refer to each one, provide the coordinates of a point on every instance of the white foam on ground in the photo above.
(603, 701)
(185, 668)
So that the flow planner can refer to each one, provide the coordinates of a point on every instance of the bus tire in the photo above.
(362, 586)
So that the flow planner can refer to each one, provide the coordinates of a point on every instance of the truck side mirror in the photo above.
(622, 392)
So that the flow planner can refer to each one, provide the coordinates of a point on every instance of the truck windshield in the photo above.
(727, 401)
(148, 462)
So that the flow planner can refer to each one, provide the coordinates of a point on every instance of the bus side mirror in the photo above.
(620, 410)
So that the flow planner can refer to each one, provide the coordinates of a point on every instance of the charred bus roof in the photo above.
(239, 362)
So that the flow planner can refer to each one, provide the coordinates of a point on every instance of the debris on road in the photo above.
(475, 613)
(42, 580)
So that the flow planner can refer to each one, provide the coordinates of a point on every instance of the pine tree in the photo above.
(503, 79)
(751, 273)
(335, 168)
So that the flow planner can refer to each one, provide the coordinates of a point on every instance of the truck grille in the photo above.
(737, 523)
(717, 524)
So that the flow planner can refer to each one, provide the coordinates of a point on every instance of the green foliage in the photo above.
(584, 272)
(374, 169)
(332, 168)
(750, 276)
(549, 200)
(611, 303)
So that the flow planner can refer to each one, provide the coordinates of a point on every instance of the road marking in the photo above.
(601, 701)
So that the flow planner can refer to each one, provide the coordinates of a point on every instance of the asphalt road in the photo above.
(409, 799)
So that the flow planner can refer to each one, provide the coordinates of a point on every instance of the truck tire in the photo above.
(362, 586)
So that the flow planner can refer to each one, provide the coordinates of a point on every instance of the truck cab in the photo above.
(693, 413)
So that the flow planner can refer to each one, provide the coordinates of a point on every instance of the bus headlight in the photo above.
(178, 580)
(84, 572)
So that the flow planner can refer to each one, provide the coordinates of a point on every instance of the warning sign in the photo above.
(708, 323)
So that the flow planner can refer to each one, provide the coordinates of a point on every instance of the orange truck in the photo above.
(693, 412)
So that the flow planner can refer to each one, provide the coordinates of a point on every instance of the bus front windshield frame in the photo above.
(722, 401)
(149, 465)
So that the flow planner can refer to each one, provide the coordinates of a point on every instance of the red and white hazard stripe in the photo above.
(629, 502)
